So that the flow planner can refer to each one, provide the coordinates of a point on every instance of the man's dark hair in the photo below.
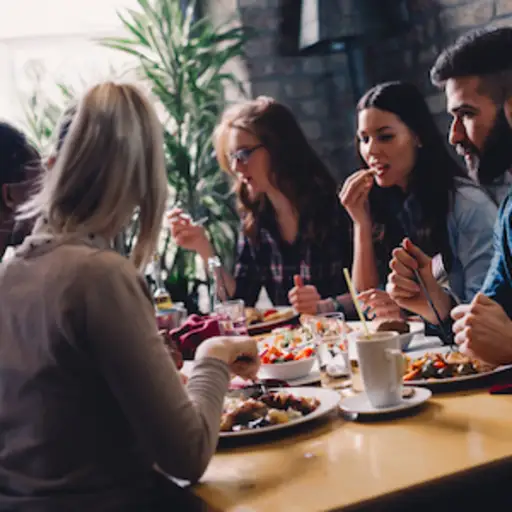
(486, 53)
(16, 153)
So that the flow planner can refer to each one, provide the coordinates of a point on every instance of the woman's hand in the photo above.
(354, 196)
(240, 353)
(304, 298)
(189, 235)
(406, 292)
(380, 304)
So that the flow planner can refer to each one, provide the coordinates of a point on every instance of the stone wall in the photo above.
(318, 88)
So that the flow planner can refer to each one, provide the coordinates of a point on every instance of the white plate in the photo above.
(454, 380)
(268, 326)
(449, 380)
(311, 378)
(329, 400)
(359, 404)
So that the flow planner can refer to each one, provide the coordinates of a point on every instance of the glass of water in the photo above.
(231, 317)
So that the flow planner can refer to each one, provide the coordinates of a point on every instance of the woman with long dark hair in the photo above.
(411, 187)
(294, 233)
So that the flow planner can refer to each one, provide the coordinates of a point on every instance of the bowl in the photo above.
(415, 328)
(289, 370)
(405, 339)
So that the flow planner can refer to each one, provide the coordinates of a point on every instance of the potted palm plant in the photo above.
(182, 58)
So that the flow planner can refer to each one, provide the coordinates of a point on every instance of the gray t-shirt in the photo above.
(90, 399)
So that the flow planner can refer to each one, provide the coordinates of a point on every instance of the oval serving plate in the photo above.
(329, 400)
(455, 380)
(431, 383)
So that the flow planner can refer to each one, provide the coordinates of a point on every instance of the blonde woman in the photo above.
(90, 400)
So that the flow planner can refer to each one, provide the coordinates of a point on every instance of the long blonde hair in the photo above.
(110, 164)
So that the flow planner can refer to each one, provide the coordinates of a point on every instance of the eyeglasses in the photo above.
(243, 155)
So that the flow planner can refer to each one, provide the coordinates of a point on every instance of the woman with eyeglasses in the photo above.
(294, 233)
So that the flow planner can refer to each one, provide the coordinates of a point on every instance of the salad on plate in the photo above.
(286, 344)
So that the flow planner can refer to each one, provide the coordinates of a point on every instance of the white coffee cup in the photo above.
(382, 367)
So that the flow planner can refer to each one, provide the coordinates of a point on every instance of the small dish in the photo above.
(288, 370)
(359, 404)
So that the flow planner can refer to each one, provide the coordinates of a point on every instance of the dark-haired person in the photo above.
(476, 75)
(476, 72)
(409, 185)
(294, 232)
(19, 167)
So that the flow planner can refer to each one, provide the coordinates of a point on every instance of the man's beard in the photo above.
(496, 156)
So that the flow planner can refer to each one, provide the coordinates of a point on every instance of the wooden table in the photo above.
(332, 463)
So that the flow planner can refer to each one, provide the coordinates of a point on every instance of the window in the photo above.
(55, 38)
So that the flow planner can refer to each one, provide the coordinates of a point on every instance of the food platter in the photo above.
(437, 382)
(282, 316)
(328, 401)
(456, 380)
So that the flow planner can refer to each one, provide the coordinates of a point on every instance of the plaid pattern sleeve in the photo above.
(272, 262)
(248, 277)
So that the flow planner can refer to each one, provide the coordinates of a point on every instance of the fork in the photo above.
(446, 338)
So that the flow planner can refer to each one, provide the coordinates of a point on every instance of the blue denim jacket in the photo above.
(498, 283)
(498, 278)
(470, 228)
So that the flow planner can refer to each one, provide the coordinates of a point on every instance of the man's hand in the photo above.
(484, 329)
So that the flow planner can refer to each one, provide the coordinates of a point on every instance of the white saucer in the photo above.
(312, 377)
(359, 404)
(315, 375)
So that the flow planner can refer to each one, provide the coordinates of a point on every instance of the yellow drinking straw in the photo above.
(356, 302)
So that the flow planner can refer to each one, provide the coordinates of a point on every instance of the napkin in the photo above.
(193, 332)
(501, 389)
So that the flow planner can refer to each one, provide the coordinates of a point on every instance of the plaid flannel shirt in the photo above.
(272, 263)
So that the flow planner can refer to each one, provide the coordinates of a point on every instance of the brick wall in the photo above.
(318, 88)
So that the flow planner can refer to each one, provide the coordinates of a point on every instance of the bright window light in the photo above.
(57, 37)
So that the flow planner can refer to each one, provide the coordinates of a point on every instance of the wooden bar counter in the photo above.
(333, 464)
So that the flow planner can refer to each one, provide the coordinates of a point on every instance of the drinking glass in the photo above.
(231, 317)
(329, 334)
(171, 318)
